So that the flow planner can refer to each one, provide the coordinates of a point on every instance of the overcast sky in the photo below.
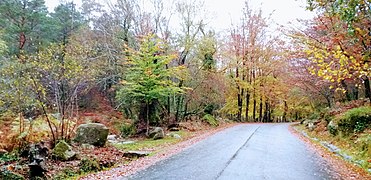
(222, 13)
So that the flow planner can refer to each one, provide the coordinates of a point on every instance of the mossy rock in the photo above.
(92, 133)
(6, 174)
(63, 151)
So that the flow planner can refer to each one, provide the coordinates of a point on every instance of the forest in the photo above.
(159, 65)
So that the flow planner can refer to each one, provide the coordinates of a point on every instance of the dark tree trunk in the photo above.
(286, 108)
(366, 83)
(266, 112)
(247, 106)
(347, 93)
(261, 109)
(254, 110)
(240, 104)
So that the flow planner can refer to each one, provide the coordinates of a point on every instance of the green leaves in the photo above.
(149, 76)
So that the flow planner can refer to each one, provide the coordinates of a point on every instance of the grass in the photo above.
(357, 145)
(153, 145)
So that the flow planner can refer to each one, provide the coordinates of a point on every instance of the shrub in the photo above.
(314, 116)
(354, 120)
(127, 130)
(89, 165)
(210, 119)
(332, 128)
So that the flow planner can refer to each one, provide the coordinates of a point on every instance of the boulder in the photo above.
(176, 136)
(311, 126)
(5, 173)
(332, 127)
(112, 137)
(174, 129)
(63, 151)
(87, 146)
(156, 133)
(37, 157)
(92, 133)
(136, 154)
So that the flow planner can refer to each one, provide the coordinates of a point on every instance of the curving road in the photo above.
(248, 151)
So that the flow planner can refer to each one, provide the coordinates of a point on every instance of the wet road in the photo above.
(248, 151)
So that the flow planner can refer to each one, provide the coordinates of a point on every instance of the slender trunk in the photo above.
(44, 112)
(247, 106)
(168, 105)
(347, 93)
(286, 108)
(240, 104)
(254, 110)
(366, 83)
(261, 109)
(147, 117)
(178, 103)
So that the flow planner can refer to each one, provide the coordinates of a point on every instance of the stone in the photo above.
(126, 142)
(311, 126)
(3, 151)
(174, 129)
(63, 151)
(37, 157)
(156, 133)
(332, 127)
(92, 133)
(176, 136)
(5, 173)
(136, 154)
(87, 146)
(112, 137)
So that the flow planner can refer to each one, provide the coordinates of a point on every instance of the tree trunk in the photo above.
(147, 117)
(239, 104)
(286, 108)
(254, 110)
(366, 83)
(261, 109)
(247, 106)
(347, 93)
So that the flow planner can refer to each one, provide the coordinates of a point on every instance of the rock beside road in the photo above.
(156, 133)
(92, 133)
(63, 151)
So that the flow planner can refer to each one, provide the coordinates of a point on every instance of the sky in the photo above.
(223, 13)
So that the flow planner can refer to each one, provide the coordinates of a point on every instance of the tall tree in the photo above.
(147, 80)
(24, 24)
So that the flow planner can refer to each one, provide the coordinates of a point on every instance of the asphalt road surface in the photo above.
(248, 151)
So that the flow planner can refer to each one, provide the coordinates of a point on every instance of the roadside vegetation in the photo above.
(345, 131)
(100, 80)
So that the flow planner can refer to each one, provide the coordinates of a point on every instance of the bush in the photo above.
(354, 120)
(314, 116)
(127, 130)
(210, 120)
(89, 165)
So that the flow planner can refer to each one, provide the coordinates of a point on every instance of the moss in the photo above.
(92, 133)
(63, 151)
(89, 165)
(354, 120)
(5, 174)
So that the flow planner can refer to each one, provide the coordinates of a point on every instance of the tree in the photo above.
(147, 79)
(339, 44)
(25, 24)
(67, 20)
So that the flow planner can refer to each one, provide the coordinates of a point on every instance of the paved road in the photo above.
(248, 151)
